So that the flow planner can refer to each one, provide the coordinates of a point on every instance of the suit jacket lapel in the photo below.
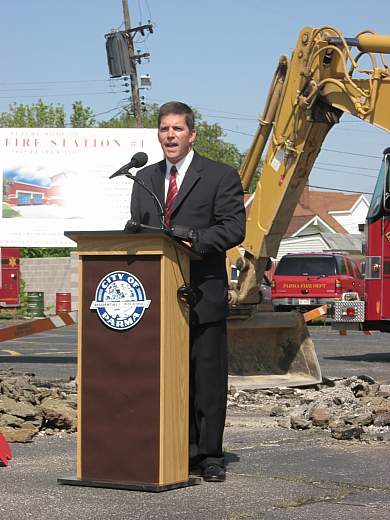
(191, 177)
(158, 182)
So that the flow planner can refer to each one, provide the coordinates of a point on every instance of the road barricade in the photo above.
(315, 313)
(40, 325)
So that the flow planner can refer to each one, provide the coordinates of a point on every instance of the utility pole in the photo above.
(133, 66)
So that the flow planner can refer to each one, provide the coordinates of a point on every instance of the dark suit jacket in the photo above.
(210, 200)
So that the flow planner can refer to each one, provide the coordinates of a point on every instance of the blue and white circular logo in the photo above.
(120, 300)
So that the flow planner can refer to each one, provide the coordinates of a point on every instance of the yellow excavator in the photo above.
(326, 76)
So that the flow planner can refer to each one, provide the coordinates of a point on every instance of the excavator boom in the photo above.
(309, 93)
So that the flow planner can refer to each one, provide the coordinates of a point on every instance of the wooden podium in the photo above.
(132, 378)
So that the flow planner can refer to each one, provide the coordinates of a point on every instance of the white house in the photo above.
(325, 221)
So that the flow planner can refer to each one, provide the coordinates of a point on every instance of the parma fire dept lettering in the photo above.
(303, 286)
(120, 300)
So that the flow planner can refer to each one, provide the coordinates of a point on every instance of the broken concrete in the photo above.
(29, 407)
(347, 408)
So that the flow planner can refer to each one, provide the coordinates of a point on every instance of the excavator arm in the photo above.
(309, 93)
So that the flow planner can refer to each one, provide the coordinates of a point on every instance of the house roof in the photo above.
(336, 241)
(320, 203)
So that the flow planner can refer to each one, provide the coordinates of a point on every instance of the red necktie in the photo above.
(171, 196)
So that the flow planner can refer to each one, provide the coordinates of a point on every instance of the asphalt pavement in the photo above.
(272, 473)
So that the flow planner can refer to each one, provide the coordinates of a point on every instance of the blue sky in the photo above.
(218, 56)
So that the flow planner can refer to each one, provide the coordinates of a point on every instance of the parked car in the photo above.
(306, 281)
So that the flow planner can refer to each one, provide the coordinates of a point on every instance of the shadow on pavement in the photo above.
(374, 357)
(38, 359)
(230, 457)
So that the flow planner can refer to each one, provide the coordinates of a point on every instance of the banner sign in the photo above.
(57, 179)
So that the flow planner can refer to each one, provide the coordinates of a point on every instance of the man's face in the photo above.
(175, 137)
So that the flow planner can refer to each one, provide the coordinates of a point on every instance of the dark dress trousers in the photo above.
(210, 200)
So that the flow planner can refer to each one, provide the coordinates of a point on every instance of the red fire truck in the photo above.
(9, 277)
(374, 312)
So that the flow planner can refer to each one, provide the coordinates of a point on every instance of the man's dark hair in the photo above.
(176, 107)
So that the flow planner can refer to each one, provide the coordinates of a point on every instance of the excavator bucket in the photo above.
(271, 349)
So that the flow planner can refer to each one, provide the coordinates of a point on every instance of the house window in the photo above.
(37, 198)
(24, 198)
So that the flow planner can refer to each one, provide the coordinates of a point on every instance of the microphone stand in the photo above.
(160, 209)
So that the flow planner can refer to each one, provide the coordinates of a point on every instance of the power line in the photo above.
(148, 8)
(61, 82)
(325, 170)
(324, 149)
(198, 107)
(140, 12)
(348, 166)
(351, 153)
(237, 132)
(53, 93)
(230, 117)
(339, 190)
(64, 94)
(106, 112)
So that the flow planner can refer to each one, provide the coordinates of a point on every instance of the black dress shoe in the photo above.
(195, 462)
(213, 473)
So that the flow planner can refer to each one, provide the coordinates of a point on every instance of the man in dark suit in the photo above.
(207, 198)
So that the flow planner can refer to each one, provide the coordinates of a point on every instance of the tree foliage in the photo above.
(42, 115)
(127, 120)
(256, 177)
(40, 252)
(82, 117)
(37, 115)
(209, 142)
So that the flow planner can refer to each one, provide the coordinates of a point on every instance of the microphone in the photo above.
(138, 160)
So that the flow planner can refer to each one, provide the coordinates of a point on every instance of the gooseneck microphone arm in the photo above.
(160, 209)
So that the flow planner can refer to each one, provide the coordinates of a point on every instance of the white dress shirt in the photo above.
(182, 167)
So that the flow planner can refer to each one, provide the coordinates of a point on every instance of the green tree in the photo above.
(82, 117)
(6, 183)
(256, 177)
(40, 252)
(127, 120)
(209, 142)
(42, 115)
(38, 115)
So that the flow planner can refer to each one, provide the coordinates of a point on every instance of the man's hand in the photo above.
(186, 234)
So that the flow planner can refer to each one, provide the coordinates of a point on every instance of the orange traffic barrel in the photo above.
(63, 302)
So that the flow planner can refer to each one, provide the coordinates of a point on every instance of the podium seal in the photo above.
(120, 300)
